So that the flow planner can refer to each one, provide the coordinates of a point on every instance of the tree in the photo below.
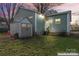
(10, 8)
(4, 15)
(43, 7)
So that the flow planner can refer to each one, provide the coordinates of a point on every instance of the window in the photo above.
(28, 25)
(4, 23)
(23, 25)
(58, 21)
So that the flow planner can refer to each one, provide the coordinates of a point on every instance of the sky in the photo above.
(26, 5)
(74, 7)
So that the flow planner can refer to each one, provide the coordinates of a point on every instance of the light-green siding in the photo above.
(64, 23)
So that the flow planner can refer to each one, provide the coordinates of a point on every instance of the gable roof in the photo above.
(21, 8)
(22, 20)
(59, 13)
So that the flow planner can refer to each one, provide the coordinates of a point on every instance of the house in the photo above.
(3, 25)
(35, 19)
(58, 23)
(21, 28)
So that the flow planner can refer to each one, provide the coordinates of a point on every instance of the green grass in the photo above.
(38, 46)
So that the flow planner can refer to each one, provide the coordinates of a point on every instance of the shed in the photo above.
(59, 23)
(3, 25)
(21, 28)
(35, 18)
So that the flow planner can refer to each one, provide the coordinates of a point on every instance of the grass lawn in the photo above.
(38, 46)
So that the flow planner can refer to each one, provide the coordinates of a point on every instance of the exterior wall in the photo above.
(14, 28)
(39, 24)
(59, 27)
(26, 32)
(25, 13)
(68, 23)
(64, 25)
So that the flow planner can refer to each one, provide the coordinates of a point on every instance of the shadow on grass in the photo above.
(49, 45)
(67, 44)
(39, 45)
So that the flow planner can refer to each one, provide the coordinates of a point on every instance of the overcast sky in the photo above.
(74, 7)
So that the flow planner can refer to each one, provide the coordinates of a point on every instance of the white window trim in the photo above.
(68, 22)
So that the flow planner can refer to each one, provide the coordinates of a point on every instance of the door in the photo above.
(26, 30)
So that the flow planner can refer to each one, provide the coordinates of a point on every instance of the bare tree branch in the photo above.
(42, 7)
